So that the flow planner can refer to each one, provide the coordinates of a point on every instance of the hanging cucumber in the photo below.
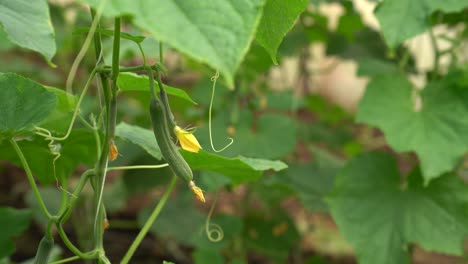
(43, 251)
(169, 150)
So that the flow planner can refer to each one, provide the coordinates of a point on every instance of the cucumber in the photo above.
(168, 149)
(43, 251)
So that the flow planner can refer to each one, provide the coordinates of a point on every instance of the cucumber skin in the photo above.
(43, 251)
(168, 149)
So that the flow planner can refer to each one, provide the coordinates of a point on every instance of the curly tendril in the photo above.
(214, 232)
(54, 148)
(213, 79)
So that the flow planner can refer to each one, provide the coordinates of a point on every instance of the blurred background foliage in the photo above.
(294, 112)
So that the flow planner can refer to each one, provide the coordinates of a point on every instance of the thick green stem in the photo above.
(116, 50)
(73, 248)
(65, 212)
(144, 67)
(101, 167)
(30, 177)
(154, 215)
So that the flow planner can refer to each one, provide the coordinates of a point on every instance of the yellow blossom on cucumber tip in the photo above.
(187, 140)
(197, 191)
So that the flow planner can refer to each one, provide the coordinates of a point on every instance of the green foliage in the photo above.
(401, 19)
(139, 136)
(254, 137)
(273, 236)
(430, 125)
(13, 223)
(239, 170)
(381, 212)
(132, 82)
(219, 40)
(278, 18)
(26, 104)
(78, 149)
(28, 25)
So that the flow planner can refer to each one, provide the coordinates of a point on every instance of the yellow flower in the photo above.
(113, 151)
(187, 140)
(197, 192)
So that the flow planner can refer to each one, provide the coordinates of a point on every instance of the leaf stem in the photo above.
(73, 248)
(30, 177)
(66, 260)
(149, 222)
(136, 167)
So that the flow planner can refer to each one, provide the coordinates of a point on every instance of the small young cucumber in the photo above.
(43, 251)
(169, 150)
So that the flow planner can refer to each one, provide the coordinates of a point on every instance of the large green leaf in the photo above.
(128, 81)
(23, 104)
(139, 136)
(59, 119)
(436, 132)
(402, 19)
(13, 223)
(216, 32)
(278, 18)
(239, 169)
(78, 148)
(28, 25)
(380, 216)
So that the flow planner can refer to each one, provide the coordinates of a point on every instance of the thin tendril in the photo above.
(85, 47)
(75, 113)
(55, 151)
(214, 232)
(213, 79)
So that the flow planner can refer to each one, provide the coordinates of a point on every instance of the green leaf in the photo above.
(139, 136)
(51, 195)
(380, 217)
(78, 148)
(59, 119)
(168, 262)
(435, 132)
(214, 32)
(24, 104)
(278, 18)
(374, 67)
(402, 19)
(28, 25)
(203, 256)
(311, 183)
(110, 33)
(13, 223)
(128, 81)
(239, 170)
(262, 164)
